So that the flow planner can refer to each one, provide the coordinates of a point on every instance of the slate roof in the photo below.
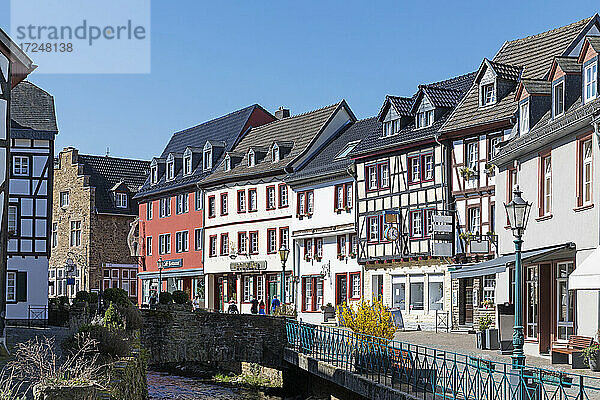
(32, 111)
(107, 172)
(401, 104)
(594, 42)
(506, 71)
(442, 97)
(325, 162)
(534, 54)
(537, 86)
(568, 64)
(223, 132)
(448, 92)
(300, 129)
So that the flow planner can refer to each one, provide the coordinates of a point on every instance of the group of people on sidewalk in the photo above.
(258, 307)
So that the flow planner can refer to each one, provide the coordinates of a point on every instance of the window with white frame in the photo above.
(424, 119)
(148, 245)
(212, 246)
(416, 223)
(224, 244)
(259, 287)
(164, 243)
(275, 153)
(251, 158)
(493, 150)
(436, 291)
(224, 204)
(54, 234)
(181, 241)
(170, 168)
(546, 207)
(474, 214)
(164, 207)
(198, 239)
(373, 228)
(384, 175)
(149, 210)
(21, 165)
(387, 128)
(121, 200)
(488, 94)
(473, 155)
(319, 247)
(558, 98)
(154, 173)
(75, 233)
(253, 242)
(271, 198)
(524, 117)
(227, 163)
(187, 164)
(371, 177)
(212, 207)
(310, 195)
(489, 288)
(241, 199)
(308, 248)
(355, 285)
(586, 172)
(182, 205)
(199, 200)
(64, 199)
(248, 289)
(283, 195)
(342, 247)
(11, 286)
(590, 82)
(207, 157)
(428, 167)
(252, 200)
(271, 241)
(242, 243)
(284, 237)
(12, 219)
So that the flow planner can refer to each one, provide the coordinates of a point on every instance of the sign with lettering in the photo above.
(177, 263)
(248, 266)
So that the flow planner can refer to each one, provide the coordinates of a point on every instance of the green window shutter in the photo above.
(21, 286)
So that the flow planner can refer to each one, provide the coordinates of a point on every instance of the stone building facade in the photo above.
(91, 220)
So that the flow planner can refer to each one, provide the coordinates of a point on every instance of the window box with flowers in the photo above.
(488, 304)
(352, 254)
(338, 210)
(490, 169)
(347, 208)
(341, 256)
(467, 237)
(467, 173)
(307, 257)
(318, 258)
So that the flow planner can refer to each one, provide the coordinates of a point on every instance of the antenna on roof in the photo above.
(107, 151)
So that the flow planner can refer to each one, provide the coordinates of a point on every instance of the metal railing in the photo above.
(429, 373)
(37, 313)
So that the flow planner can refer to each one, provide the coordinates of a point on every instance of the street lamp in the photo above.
(284, 252)
(160, 268)
(517, 212)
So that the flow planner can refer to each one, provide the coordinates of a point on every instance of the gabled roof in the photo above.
(300, 129)
(32, 112)
(109, 173)
(447, 92)
(534, 54)
(569, 65)
(590, 41)
(222, 132)
(438, 96)
(325, 162)
(534, 86)
(402, 105)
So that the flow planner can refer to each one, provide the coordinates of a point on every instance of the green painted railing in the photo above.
(430, 373)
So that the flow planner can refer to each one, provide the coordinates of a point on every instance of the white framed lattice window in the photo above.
(489, 288)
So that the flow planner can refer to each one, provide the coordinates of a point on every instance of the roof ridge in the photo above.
(216, 119)
(446, 81)
(299, 115)
(586, 20)
(112, 158)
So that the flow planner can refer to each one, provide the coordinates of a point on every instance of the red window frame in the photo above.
(581, 140)
(313, 285)
(239, 203)
(368, 178)
(316, 242)
(281, 230)
(306, 202)
(308, 243)
(212, 200)
(243, 251)
(224, 239)
(282, 186)
(224, 196)
(253, 190)
(250, 234)
(339, 244)
(345, 204)
(378, 184)
(427, 224)
(350, 249)
(269, 232)
(274, 206)
(379, 165)
(350, 286)
(421, 157)
(543, 156)
(212, 252)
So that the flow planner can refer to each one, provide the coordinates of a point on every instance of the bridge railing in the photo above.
(430, 373)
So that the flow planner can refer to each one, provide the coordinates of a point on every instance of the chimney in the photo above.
(282, 113)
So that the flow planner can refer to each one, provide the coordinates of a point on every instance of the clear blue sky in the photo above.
(213, 57)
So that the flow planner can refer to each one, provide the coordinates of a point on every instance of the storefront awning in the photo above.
(587, 274)
(176, 273)
(499, 264)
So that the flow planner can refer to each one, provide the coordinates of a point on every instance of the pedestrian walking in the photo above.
(275, 303)
(232, 309)
(261, 307)
(254, 308)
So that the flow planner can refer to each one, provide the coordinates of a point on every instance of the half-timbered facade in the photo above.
(249, 210)
(326, 245)
(402, 184)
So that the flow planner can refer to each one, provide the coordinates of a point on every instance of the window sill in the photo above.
(583, 208)
(544, 218)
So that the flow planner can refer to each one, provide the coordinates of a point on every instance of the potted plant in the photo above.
(318, 257)
(340, 256)
(347, 208)
(466, 173)
(466, 236)
(591, 354)
(328, 312)
(307, 257)
(484, 323)
(487, 304)
(352, 254)
(490, 169)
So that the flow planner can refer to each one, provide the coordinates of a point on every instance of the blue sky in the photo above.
(210, 58)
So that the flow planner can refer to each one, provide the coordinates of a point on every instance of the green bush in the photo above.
(93, 297)
(180, 297)
(82, 295)
(132, 316)
(112, 318)
(165, 298)
(117, 296)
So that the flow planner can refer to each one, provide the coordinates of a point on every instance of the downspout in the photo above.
(596, 123)
(351, 170)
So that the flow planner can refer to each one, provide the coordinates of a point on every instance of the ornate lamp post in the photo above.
(284, 252)
(517, 212)
(160, 268)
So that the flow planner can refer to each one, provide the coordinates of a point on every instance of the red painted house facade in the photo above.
(171, 207)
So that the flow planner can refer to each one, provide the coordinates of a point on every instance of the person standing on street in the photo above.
(254, 308)
(275, 304)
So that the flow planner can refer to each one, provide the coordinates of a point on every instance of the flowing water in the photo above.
(162, 386)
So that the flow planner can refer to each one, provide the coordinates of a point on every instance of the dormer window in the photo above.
(424, 119)
(121, 200)
(251, 158)
(590, 82)
(170, 168)
(207, 157)
(154, 174)
(558, 99)
(524, 117)
(275, 153)
(227, 164)
(488, 94)
(390, 128)
(187, 165)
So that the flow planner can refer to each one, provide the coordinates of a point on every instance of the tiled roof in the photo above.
(442, 97)
(568, 64)
(326, 161)
(537, 86)
(452, 89)
(106, 172)
(401, 104)
(222, 132)
(535, 55)
(594, 43)
(300, 129)
(32, 108)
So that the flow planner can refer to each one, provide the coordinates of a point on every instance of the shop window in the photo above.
(417, 293)
(436, 292)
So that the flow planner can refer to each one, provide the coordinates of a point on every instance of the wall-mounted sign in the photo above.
(177, 263)
(248, 266)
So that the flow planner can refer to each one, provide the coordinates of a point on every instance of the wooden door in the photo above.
(468, 305)
(341, 286)
(545, 307)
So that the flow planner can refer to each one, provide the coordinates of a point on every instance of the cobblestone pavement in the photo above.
(463, 343)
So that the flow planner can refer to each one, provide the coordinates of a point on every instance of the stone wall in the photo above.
(175, 336)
